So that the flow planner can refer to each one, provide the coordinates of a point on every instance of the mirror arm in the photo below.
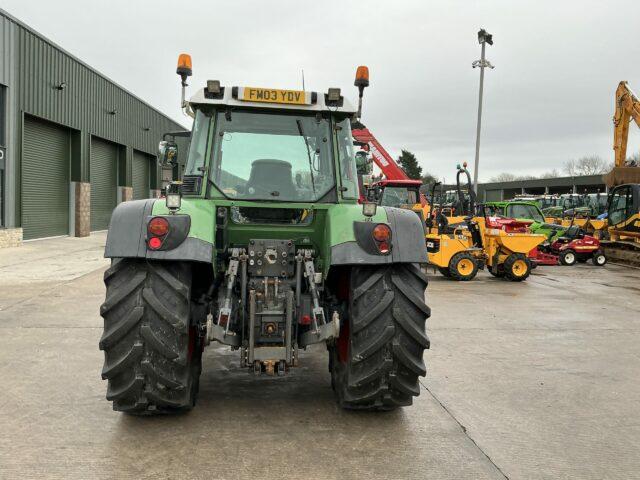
(188, 111)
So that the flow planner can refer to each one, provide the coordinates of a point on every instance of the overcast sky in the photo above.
(549, 99)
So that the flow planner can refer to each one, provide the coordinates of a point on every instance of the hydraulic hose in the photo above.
(472, 194)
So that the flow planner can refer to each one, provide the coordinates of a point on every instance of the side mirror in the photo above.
(168, 153)
(363, 163)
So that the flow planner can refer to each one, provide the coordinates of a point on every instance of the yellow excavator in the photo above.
(623, 208)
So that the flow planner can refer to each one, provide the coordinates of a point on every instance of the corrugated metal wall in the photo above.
(35, 68)
(87, 100)
(8, 73)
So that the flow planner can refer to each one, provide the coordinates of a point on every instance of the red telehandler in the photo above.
(396, 189)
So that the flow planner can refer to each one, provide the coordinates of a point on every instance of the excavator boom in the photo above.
(627, 110)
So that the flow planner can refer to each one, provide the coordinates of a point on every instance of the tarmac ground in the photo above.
(525, 380)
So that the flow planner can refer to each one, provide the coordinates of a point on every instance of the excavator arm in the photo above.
(627, 110)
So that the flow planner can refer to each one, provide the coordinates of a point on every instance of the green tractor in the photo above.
(264, 247)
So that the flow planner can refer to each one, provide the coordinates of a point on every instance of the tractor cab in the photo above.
(395, 193)
(266, 145)
(623, 212)
(525, 210)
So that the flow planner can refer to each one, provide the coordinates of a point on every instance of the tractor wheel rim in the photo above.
(465, 266)
(569, 257)
(519, 268)
(600, 259)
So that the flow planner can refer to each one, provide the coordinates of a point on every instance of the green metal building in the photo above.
(72, 143)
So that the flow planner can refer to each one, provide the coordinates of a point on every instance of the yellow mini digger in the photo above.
(459, 250)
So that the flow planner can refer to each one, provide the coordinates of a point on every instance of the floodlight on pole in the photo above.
(484, 38)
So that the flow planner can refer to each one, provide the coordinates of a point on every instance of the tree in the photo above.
(555, 173)
(588, 165)
(409, 164)
(510, 177)
(503, 177)
(633, 160)
(428, 179)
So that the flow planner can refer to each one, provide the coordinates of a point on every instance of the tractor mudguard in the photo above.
(127, 235)
(407, 241)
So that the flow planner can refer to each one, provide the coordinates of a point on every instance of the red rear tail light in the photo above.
(155, 243)
(384, 247)
(381, 232)
(382, 236)
(158, 227)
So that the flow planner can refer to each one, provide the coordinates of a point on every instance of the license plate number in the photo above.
(272, 95)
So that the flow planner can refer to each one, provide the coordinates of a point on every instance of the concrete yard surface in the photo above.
(526, 381)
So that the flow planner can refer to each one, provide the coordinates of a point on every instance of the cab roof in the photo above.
(233, 97)
(517, 201)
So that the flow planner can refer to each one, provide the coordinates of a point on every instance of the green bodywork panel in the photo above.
(324, 226)
(202, 213)
(331, 224)
(546, 229)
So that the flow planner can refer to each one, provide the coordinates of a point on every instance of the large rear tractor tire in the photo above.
(376, 362)
(517, 267)
(463, 267)
(152, 353)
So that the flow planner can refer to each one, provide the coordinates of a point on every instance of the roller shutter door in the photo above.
(104, 182)
(140, 175)
(45, 179)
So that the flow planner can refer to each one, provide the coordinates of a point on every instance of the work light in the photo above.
(174, 200)
(174, 197)
(369, 209)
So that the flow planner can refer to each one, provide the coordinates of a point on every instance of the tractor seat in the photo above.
(573, 233)
(451, 228)
(269, 176)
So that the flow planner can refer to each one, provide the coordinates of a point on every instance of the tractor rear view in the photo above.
(264, 248)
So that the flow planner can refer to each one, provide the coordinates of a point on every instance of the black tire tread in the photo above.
(386, 349)
(146, 337)
(508, 267)
(444, 271)
(593, 258)
(453, 270)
